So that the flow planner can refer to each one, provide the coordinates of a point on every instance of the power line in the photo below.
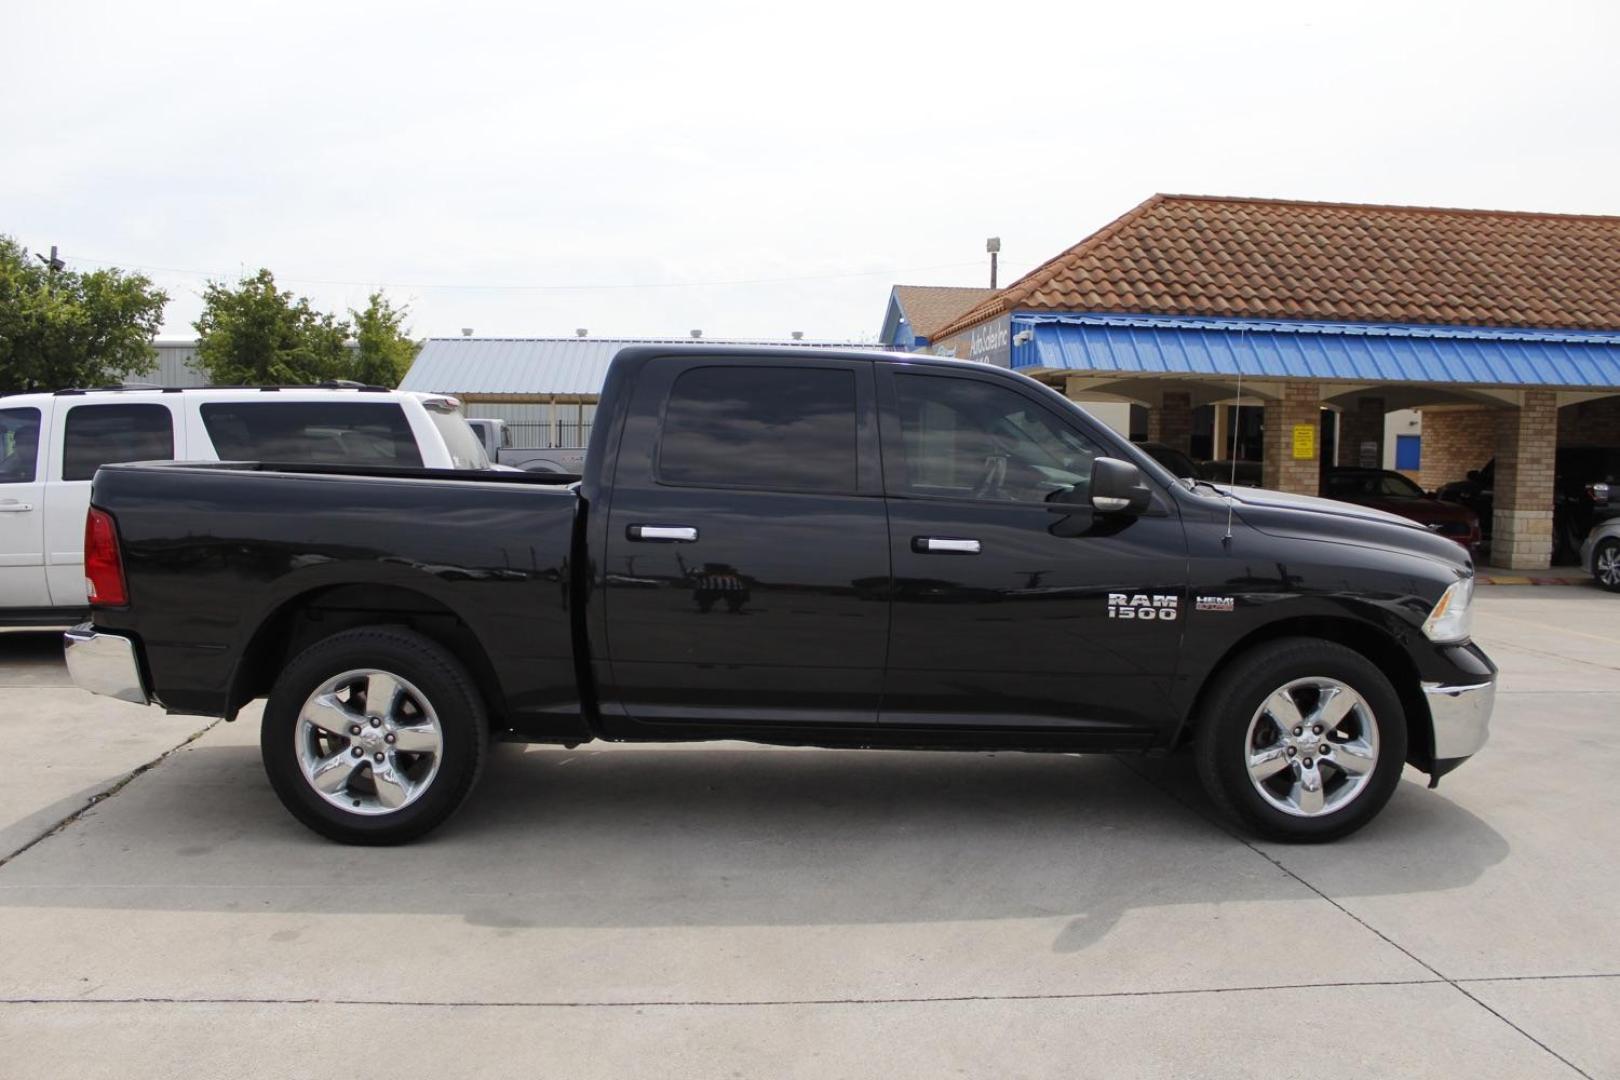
(425, 287)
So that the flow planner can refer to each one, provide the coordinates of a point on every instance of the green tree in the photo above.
(383, 347)
(62, 328)
(257, 335)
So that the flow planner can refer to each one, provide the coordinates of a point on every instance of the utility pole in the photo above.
(54, 263)
(993, 246)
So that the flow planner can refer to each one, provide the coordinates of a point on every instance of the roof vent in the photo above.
(798, 335)
(580, 331)
(466, 331)
(695, 334)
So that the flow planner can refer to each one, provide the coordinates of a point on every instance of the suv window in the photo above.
(315, 432)
(778, 428)
(19, 445)
(97, 435)
(966, 439)
(466, 449)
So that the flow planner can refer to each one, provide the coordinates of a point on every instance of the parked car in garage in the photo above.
(52, 444)
(1390, 491)
(1234, 473)
(1178, 463)
(1575, 470)
(795, 547)
(1600, 551)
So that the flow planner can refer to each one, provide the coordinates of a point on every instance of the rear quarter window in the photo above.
(97, 435)
(317, 432)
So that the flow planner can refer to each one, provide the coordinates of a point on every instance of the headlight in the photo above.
(1451, 619)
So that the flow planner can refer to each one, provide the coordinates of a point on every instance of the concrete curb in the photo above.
(1488, 576)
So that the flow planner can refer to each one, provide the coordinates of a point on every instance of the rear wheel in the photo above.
(1606, 565)
(1301, 740)
(373, 736)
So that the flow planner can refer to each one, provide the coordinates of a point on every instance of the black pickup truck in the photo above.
(790, 547)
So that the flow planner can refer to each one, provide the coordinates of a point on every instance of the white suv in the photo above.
(52, 444)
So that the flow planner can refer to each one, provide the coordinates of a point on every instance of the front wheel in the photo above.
(373, 736)
(1606, 565)
(1301, 740)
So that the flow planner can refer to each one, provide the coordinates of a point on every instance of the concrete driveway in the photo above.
(738, 911)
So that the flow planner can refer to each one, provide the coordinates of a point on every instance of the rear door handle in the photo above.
(953, 544)
(676, 534)
(12, 506)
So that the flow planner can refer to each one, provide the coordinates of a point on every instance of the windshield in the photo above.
(465, 448)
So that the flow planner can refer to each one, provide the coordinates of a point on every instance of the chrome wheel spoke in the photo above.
(393, 786)
(326, 712)
(1354, 758)
(383, 695)
(1268, 762)
(418, 739)
(1336, 703)
(1283, 709)
(1307, 793)
(331, 774)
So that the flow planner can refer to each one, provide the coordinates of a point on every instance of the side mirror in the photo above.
(1117, 487)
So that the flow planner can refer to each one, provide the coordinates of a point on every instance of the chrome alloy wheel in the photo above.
(368, 742)
(1607, 565)
(1312, 746)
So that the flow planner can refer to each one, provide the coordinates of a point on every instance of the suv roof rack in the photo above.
(331, 384)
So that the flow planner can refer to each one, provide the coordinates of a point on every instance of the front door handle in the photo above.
(669, 534)
(953, 544)
(12, 506)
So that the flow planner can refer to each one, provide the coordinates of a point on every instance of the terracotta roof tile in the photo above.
(1267, 258)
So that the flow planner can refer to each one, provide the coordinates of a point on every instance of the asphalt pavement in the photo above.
(737, 911)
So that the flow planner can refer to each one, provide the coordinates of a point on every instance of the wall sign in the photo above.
(1304, 442)
(991, 342)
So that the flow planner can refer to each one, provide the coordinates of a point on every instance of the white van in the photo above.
(52, 444)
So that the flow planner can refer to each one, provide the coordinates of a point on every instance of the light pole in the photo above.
(993, 246)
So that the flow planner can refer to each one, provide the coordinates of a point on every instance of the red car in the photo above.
(1389, 491)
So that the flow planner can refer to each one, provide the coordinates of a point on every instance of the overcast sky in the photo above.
(449, 152)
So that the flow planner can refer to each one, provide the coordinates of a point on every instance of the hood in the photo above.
(1426, 511)
(1309, 517)
(1246, 496)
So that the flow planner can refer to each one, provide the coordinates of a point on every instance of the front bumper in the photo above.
(1461, 713)
(104, 664)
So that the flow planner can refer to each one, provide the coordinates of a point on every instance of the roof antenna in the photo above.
(1237, 423)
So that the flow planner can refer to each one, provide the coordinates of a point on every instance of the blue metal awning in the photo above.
(1131, 345)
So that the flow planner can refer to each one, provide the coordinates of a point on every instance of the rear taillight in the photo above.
(103, 566)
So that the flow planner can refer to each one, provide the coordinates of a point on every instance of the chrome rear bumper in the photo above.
(1462, 717)
(104, 664)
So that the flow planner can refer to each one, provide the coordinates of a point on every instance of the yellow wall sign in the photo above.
(1304, 441)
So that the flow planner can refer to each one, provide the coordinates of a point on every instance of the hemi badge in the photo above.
(1213, 603)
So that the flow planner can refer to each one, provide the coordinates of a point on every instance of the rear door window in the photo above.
(19, 445)
(97, 435)
(315, 432)
(765, 427)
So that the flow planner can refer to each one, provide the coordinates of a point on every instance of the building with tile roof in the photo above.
(1332, 316)
(921, 311)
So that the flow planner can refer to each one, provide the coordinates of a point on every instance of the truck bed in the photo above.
(216, 553)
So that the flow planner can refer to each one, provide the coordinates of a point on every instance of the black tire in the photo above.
(1611, 549)
(1220, 738)
(435, 675)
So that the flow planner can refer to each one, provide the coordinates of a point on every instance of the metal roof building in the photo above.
(545, 389)
(538, 369)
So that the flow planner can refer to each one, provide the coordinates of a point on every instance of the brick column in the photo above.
(1363, 422)
(1526, 441)
(1456, 442)
(1170, 422)
(1300, 404)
